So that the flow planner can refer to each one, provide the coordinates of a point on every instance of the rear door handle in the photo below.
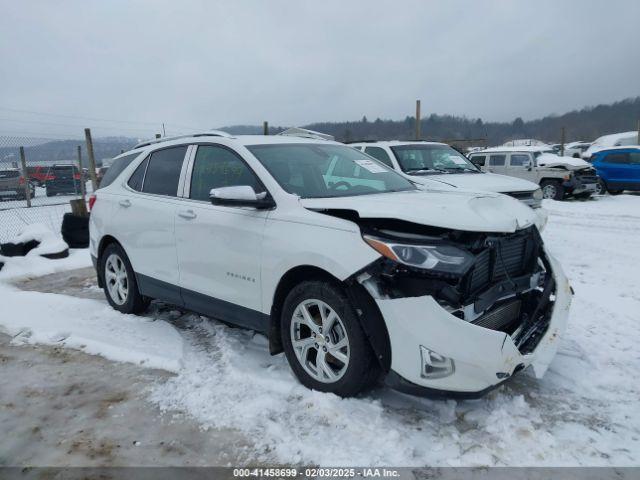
(188, 214)
(125, 203)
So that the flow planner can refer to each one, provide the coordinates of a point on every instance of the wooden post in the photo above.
(265, 128)
(78, 207)
(562, 140)
(417, 119)
(92, 159)
(25, 175)
(83, 185)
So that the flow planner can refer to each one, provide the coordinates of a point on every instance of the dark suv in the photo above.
(63, 179)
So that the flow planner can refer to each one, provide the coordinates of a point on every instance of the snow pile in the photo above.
(89, 325)
(49, 242)
(34, 265)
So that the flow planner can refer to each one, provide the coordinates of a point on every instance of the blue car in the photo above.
(618, 169)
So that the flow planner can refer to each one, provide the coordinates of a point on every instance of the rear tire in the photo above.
(119, 281)
(552, 190)
(323, 305)
(614, 192)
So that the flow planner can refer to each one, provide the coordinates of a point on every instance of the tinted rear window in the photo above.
(163, 172)
(64, 170)
(116, 168)
(9, 174)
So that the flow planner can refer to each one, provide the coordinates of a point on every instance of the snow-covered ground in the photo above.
(583, 412)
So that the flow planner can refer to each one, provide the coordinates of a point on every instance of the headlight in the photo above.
(445, 259)
(537, 195)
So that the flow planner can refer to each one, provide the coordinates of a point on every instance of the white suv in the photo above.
(355, 274)
(436, 164)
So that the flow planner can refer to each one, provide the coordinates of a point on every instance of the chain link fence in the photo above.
(38, 178)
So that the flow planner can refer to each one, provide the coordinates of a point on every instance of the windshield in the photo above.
(431, 159)
(317, 171)
(543, 152)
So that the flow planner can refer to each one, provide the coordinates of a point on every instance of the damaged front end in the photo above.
(463, 310)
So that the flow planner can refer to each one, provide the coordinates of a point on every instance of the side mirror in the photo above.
(528, 165)
(240, 196)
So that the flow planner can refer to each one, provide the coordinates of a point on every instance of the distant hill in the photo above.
(586, 124)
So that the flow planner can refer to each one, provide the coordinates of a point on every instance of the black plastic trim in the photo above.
(401, 384)
(203, 304)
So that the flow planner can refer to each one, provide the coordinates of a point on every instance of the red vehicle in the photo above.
(39, 175)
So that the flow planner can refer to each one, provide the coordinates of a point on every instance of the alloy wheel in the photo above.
(320, 341)
(115, 276)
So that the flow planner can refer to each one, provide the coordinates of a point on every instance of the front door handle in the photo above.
(125, 203)
(188, 214)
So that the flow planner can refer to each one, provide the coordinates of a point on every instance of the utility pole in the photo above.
(164, 133)
(92, 159)
(265, 128)
(83, 186)
(417, 119)
(25, 175)
(562, 139)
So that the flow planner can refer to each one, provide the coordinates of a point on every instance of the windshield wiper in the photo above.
(460, 169)
(424, 170)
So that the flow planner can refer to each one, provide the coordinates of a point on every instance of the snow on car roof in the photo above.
(612, 138)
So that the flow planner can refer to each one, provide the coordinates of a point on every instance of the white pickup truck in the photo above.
(558, 177)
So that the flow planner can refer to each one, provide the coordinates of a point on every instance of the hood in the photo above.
(483, 182)
(457, 210)
(550, 160)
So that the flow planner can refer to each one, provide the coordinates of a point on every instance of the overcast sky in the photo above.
(206, 64)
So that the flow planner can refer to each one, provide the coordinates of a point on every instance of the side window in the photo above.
(118, 165)
(620, 158)
(216, 167)
(497, 160)
(380, 154)
(135, 181)
(518, 160)
(478, 160)
(634, 158)
(163, 172)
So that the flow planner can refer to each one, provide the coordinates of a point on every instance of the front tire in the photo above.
(119, 281)
(324, 342)
(552, 190)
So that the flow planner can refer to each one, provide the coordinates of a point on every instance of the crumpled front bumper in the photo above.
(483, 358)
